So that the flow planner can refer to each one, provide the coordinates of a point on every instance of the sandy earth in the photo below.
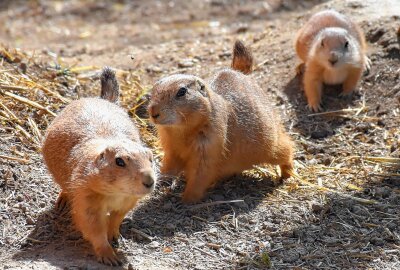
(290, 226)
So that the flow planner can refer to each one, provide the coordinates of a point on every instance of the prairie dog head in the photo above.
(122, 167)
(335, 47)
(179, 100)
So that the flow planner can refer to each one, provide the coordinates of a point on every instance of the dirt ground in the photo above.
(344, 212)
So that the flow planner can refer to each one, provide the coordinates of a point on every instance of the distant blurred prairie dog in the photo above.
(94, 152)
(212, 131)
(333, 49)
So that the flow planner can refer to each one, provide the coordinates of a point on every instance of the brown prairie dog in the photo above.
(333, 49)
(94, 152)
(212, 131)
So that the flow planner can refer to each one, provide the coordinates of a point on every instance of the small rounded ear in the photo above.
(101, 157)
(201, 87)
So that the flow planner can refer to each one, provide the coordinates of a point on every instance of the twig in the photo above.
(213, 246)
(9, 112)
(205, 252)
(214, 203)
(357, 110)
(392, 160)
(144, 235)
(22, 160)
(13, 87)
(82, 69)
(36, 241)
(182, 239)
(305, 182)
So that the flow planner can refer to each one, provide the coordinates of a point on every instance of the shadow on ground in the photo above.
(318, 127)
(54, 239)
(343, 233)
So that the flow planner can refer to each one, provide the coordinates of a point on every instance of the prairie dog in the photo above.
(94, 152)
(333, 49)
(210, 131)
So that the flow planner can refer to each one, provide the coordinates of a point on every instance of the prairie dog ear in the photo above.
(201, 87)
(101, 158)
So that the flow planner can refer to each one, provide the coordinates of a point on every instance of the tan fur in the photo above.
(216, 130)
(80, 151)
(321, 45)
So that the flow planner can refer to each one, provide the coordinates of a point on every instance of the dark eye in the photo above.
(322, 43)
(120, 162)
(181, 92)
(346, 45)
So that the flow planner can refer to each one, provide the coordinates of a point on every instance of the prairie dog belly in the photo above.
(335, 76)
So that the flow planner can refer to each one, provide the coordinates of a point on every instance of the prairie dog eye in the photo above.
(181, 92)
(120, 162)
(346, 45)
(322, 43)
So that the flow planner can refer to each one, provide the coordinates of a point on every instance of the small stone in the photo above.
(167, 205)
(154, 244)
(154, 69)
(320, 134)
(23, 66)
(291, 257)
(217, 197)
(213, 230)
(185, 63)
(377, 241)
(29, 220)
(170, 226)
(20, 198)
(317, 208)
(383, 192)
(23, 207)
(375, 35)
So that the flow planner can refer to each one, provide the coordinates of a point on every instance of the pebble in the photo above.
(320, 134)
(170, 226)
(213, 230)
(154, 69)
(29, 220)
(185, 63)
(290, 257)
(167, 205)
(154, 244)
(316, 208)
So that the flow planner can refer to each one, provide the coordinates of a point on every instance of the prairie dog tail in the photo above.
(109, 85)
(242, 58)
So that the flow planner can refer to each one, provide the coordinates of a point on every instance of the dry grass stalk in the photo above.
(325, 189)
(21, 160)
(340, 112)
(27, 101)
(214, 203)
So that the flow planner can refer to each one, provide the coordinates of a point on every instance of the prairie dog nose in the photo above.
(148, 179)
(154, 111)
(333, 58)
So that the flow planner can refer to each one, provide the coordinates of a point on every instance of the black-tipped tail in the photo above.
(109, 85)
(242, 58)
